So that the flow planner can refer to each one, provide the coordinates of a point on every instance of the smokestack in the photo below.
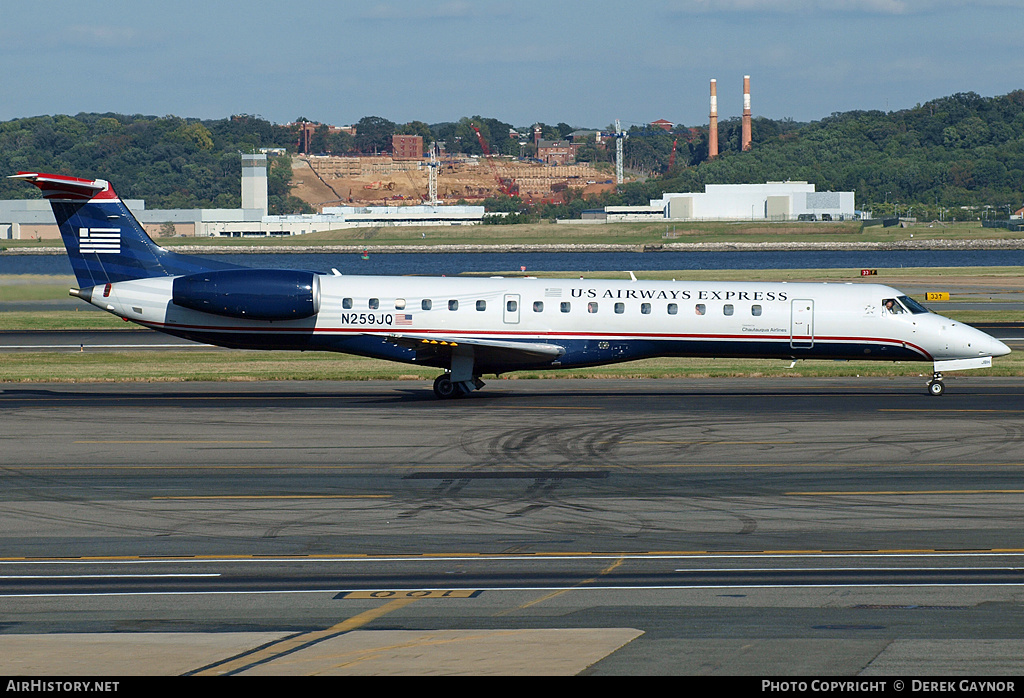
(746, 112)
(713, 123)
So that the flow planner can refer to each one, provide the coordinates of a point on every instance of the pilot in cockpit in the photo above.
(890, 305)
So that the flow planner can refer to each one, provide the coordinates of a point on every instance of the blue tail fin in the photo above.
(104, 240)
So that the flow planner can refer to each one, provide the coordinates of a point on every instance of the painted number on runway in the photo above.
(411, 594)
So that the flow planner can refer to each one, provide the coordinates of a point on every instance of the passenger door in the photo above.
(511, 309)
(801, 332)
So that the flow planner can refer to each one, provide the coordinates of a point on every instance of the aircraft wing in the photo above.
(486, 351)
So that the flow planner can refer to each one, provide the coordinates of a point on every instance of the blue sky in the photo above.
(583, 63)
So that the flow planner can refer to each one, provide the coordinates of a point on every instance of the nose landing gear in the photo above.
(935, 386)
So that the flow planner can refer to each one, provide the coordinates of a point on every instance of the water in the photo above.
(450, 264)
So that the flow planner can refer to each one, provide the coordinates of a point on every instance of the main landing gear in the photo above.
(935, 386)
(445, 388)
(462, 379)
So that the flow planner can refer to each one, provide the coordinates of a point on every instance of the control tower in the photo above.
(254, 181)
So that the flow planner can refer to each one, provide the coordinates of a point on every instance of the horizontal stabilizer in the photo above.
(68, 188)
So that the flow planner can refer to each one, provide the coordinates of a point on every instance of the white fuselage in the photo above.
(596, 321)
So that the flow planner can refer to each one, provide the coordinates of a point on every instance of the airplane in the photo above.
(468, 327)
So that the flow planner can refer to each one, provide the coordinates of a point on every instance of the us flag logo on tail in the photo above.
(99, 240)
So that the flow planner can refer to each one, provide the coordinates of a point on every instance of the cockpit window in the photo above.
(913, 306)
(891, 305)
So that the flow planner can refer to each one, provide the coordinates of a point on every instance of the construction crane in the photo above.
(432, 176)
(507, 185)
(620, 136)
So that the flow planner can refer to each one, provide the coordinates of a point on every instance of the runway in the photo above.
(776, 527)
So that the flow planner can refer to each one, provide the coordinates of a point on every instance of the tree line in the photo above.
(950, 157)
(934, 159)
(171, 162)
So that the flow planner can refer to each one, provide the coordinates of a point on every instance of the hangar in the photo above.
(772, 201)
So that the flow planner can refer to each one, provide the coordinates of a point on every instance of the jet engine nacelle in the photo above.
(255, 294)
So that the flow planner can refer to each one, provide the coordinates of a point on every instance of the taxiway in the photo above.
(826, 526)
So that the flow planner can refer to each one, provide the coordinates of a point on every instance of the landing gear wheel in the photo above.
(444, 388)
(936, 388)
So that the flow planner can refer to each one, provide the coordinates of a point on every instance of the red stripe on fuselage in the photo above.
(546, 336)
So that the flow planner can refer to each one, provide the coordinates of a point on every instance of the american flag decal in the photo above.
(403, 319)
(99, 240)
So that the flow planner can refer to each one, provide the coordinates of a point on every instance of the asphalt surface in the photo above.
(727, 527)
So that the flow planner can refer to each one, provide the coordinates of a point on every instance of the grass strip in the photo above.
(642, 233)
(49, 320)
(199, 365)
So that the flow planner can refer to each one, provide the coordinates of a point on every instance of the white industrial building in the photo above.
(22, 219)
(772, 201)
(634, 214)
(336, 217)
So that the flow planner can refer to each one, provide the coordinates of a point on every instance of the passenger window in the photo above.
(510, 306)
(592, 307)
(620, 308)
(346, 303)
(425, 304)
(700, 309)
(673, 309)
(645, 308)
(481, 305)
(453, 305)
(755, 310)
(374, 303)
(728, 309)
(566, 306)
(399, 304)
(538, 306)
